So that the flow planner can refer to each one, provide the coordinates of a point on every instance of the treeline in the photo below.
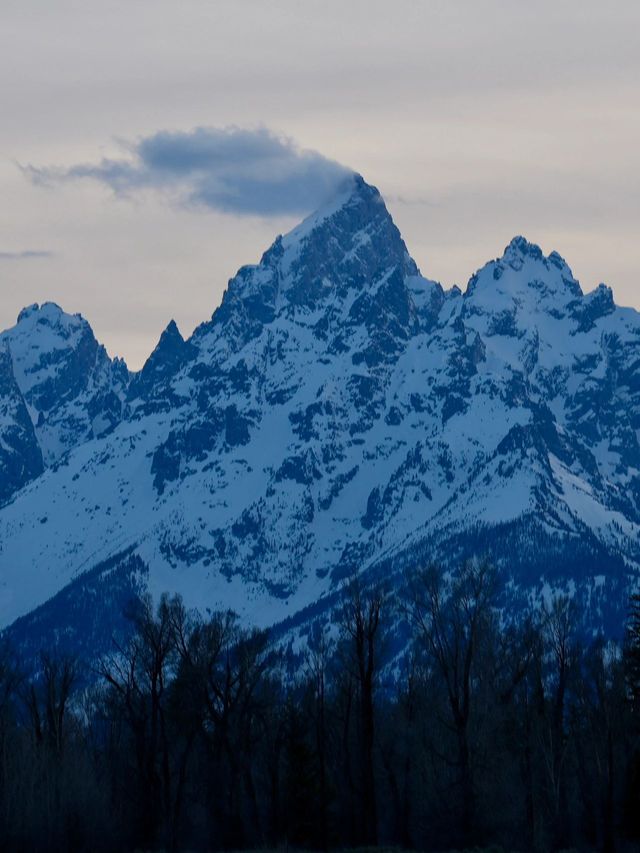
(192, 738)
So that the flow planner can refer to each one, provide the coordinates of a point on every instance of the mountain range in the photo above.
(339, 413)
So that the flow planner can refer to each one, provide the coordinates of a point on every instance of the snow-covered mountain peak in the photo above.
(71, 387)
(350, 241)
(27, 311)
(338, 413)
(354, 193)
(346, 265)
(168, 352)
(520, 246)
(40, 342)
(47, 312)
(523, 283)
(170, 338)
(169, 355)
(601, 299)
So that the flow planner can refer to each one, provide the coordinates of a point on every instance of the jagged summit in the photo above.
(170, 338)
(70, 386)
(519, 245)
(355, 194)
(27, 311)
(338, 413)
(49, 314)
(168, 350)
(38, 342)
(170, 354)
(524, 279)
(520, 249)
(346, 265)
(352, 236)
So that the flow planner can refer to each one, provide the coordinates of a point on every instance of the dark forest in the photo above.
(192, 735)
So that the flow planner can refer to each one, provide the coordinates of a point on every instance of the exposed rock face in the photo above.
(74, 391)
(339, 412)
(20, 455)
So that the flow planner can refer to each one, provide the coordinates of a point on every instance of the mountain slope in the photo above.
(340, 412)
(20, 455)
(72, 389)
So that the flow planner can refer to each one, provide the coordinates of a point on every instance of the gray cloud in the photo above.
(26, 254)
(232, 169)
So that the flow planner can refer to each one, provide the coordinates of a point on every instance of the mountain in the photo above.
(71, 388)
(20, 454)
(338, 413)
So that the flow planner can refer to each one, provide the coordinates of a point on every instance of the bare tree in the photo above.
(452, 615)
(47, 699)
(561, 656)
(360, 623)
(10, 685)
(317, 668)
(138, 675)
(221, 671)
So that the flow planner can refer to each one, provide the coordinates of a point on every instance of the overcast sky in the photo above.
(149, 148)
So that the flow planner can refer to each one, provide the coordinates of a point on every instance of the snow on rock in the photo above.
(73, 390)
(338, 413)
(20, 456)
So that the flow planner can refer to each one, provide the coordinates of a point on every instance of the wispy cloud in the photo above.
(25, 255)
(233, 170)
(411, 201)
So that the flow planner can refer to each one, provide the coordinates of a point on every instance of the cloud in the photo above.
(233, 170)
(25, 255)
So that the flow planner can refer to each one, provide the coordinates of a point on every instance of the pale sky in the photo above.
(477, 120)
